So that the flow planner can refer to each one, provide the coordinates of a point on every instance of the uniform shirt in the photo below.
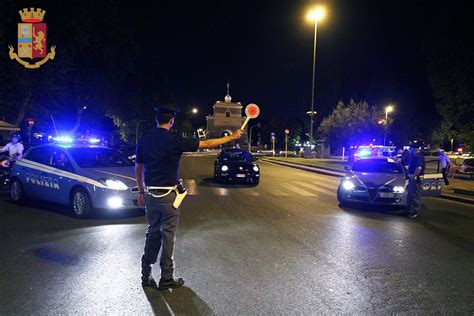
(160, 151)
(444, 161)
(13, 149)
(416, 161)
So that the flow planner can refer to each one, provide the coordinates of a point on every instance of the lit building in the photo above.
(227, 118)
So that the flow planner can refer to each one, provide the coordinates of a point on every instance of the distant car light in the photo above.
(398, 189)
(115, 202)
(224, 168)
(348, 185)
(114, 184)
(255, 168)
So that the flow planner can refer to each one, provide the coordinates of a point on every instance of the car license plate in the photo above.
(240, 175)
(387, 195)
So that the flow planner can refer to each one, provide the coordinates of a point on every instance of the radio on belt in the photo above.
(180, 194)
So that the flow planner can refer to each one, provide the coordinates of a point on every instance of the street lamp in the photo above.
(250, 136)
(317, 14)
(194, 111)
(388, 109)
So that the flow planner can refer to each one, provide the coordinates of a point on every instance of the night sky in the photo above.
(367, 50)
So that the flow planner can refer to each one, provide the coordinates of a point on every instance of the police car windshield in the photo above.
(236, 156)
(377, 166)
(98, 157)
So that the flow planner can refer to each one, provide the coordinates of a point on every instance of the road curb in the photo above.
(308, 165)
(457, 198)
(304, 168)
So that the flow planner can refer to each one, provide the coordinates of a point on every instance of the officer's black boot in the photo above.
(170, 283)
(147, 279)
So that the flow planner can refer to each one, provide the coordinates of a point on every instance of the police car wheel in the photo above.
(81, 203)
(16, 191)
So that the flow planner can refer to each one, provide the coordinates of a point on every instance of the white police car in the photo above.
(86, 177)
(382, 181)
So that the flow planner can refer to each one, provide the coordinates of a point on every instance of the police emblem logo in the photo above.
(32, 39)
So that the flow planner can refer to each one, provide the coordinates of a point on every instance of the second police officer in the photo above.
(160, 191)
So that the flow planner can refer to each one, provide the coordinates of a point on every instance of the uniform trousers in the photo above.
(163, 222)
(414, 196)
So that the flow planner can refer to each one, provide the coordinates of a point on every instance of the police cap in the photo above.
(168, 108)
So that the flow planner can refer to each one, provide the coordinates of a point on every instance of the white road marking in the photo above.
(299, 191)
(220, 191)
(316, 188)
(249, 191)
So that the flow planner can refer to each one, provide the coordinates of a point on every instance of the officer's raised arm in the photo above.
(216, 142)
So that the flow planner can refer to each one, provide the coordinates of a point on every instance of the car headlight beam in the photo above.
(398, 189)
(113, 184)
(255, 168)
(348, 185)
(115, 202)
(224, 168)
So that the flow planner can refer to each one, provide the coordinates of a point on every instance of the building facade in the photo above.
(226, 119)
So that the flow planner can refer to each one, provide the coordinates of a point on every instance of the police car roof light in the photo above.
(63, 139)
(94, 140)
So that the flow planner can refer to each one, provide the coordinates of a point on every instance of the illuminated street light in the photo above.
(315, 15)
(195, 110)
(388, 109)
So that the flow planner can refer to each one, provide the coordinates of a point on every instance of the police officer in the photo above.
(157, 163)
(416, 170)
(14, 148)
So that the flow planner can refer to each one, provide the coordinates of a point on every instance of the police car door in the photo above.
(57, 178)
(31, 168)
(432, 184)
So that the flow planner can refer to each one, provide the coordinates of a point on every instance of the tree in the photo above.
(351, 124)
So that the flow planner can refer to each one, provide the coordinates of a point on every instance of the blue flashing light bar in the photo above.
(63, 139)
(364, 152)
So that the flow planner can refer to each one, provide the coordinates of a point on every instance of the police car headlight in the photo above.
(224, 168)
(114, 184)
(398, 189)
(348, 185)
(255, 168)
(115, 202)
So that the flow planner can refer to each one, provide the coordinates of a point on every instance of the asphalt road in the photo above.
(283, 247)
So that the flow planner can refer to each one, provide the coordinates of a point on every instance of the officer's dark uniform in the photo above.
(160, 151)
(414, 185)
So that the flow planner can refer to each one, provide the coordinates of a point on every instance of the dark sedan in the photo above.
(236, 166)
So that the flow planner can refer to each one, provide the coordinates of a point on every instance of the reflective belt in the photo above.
(177, 200)
(169, 189)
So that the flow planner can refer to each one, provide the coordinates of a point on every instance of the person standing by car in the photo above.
(445, 165)
(416, 170)
(157, 166)
(14, 148)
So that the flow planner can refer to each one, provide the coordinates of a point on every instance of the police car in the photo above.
(84, 176)
(381, 180)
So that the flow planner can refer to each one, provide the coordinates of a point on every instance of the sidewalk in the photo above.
(459, 190)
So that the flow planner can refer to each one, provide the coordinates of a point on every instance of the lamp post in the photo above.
(388, 109)
(136, 131)
(315, 15)
(250, 136)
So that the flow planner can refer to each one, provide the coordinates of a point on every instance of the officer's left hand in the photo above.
(141, 200)
(237, 134)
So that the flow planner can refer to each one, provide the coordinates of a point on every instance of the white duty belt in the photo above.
(179, 196)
